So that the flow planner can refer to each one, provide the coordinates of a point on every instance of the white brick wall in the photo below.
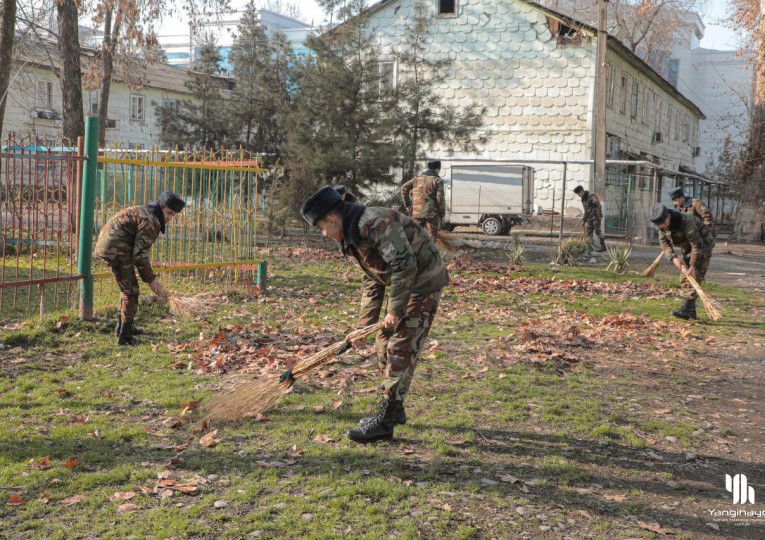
(538, 94)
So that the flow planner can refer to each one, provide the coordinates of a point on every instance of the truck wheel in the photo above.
(491, 226)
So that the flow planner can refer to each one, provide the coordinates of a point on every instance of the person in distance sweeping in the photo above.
(695, 241)
(124, 244)
(393, 251)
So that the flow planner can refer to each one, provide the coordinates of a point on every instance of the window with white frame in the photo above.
(387, 74)
(137, 108)
(659, 114)
(610, 85)
(670, 118)
(634, 99)
(677, 125)
(686, 129)
(646, 106)
(44, 94)
(447, 7)
(170, 104)
(623, 95)
(93, 104)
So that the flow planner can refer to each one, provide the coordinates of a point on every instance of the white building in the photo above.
(180, 48)
(534, 71)
(34, 106)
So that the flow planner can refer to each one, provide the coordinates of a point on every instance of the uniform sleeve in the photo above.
(388, 238)
(440, 199)
(406, 192)
(666, 245)
(144, 239)
(703, 211)
(694, 239)
(372, 296)
(597, 207)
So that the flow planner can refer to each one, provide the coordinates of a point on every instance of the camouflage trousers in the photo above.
(124, 275)
(702, 265)
(593, 226)
(398, 351)
(431, 225)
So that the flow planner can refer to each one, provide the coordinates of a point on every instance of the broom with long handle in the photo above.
(709, 305)
(250, 398)
(651, 270)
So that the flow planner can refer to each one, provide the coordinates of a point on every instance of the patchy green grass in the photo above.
(493, 452)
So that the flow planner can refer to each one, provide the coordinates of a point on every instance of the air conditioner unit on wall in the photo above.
(697, 151)
(111, 123)
(657, 137)
(47, 114)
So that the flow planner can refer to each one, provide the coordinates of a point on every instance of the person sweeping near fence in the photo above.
(693, 206)
(695, 240)
(393, 252)
(124, 244)
(423, 197)
(593, 216)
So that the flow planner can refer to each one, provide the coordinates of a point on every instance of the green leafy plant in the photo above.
(569, 249)
(619, 259)
(517, 254)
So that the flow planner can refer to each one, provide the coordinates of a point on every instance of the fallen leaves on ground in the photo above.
(323, 439)
(209, 440)
(41, 464)
(654, 527)
(126, 508)
(122, 496)
(15, 500)
(69, 501)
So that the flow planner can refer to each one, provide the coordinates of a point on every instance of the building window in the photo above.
(93, 104)
(136, 108)
(634, 99)
(387, 72)
(171, 104)
(672, 71)
(670, 117)
(563, 34)
(686, 130)
(610, 85)
(44, 94)
(647, 106)
(623, 95)
(447, 7)
(659, 113)
(677, 125)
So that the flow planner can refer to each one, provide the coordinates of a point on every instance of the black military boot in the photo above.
(118, 328)
(687, 311)
(126, 336)
(135, 332)
(602, 247)
(381, 426)
(399, 419)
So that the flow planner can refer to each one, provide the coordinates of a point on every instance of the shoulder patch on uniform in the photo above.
(387, 249)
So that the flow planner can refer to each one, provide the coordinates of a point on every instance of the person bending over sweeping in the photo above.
(124, 244)
(393, 251)
(696, 242)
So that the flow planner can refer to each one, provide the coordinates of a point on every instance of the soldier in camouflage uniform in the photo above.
(593, 215)
(124, 244)
(423, 197)
(393, 251)
(695, 241)
(693, 206)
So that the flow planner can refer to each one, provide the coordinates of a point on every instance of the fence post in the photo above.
(87, 208)
(262, 280)
(562, 201)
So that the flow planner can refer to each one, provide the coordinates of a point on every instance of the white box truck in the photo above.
(492, 197)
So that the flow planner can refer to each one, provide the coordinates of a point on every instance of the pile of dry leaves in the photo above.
(566, 338)
(261, 350)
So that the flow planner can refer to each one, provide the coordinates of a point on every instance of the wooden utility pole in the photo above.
(599, 183)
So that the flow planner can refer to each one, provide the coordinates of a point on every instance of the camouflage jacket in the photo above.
(699, 209)
(424, 195)
(393, 251)
(128, 237)
(689, 233)
(592, 208)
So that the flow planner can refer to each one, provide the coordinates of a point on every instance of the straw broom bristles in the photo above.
(445, 241)
(249, 398)
(651, 270)
(709, 305)
(190, 306)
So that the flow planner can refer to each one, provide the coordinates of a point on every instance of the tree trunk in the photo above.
(7, 29)
(107, 52)
(71, 74)
(750, 219)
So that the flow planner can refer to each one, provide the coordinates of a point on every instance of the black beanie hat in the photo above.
(435, 164)
(319, 204)
(172, 201)
(676, 193)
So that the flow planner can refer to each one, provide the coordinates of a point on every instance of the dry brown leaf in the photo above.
(323, 439)
(337, 404)
(15, 500)
(122, 496)
(126, 508)
(209, 440)
(615, 498)
(72, 463)
(69, 501)
(41, 464)
(509, 478)
(318, 409)
(654, 527)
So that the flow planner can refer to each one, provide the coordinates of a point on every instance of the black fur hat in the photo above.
(676, 193)
(317, 205)
(172, 201)
(578, 189)
(657, 213)
(349, 197)
(434, 165)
